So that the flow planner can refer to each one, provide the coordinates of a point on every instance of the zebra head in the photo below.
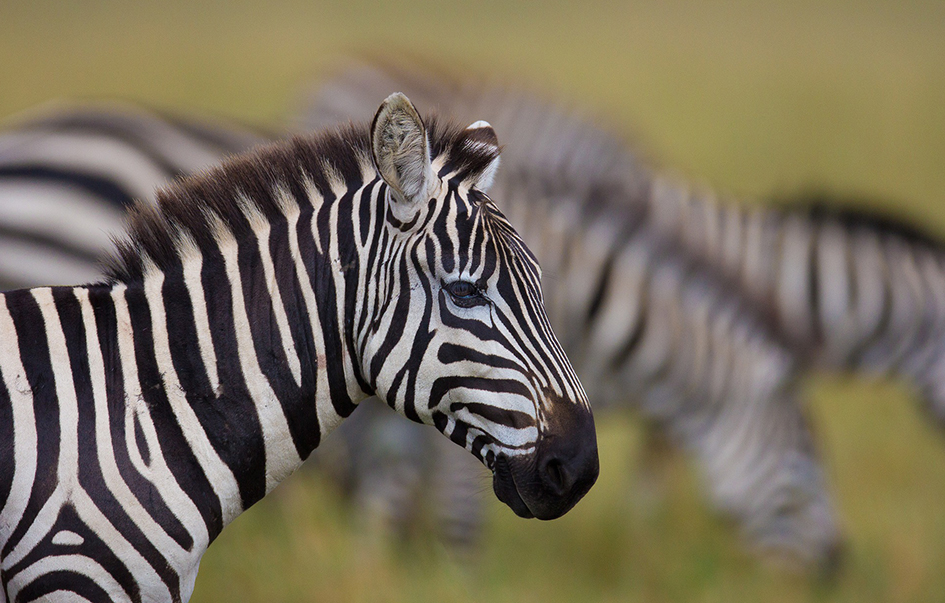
(459, 305)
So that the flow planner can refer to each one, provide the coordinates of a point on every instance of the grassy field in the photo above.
(750, 96)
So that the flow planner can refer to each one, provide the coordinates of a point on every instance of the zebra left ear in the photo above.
(481, 137)
(402, 154)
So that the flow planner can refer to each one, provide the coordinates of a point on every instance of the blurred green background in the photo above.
(749, 96)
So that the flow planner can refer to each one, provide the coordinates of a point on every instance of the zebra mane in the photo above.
(195, 210)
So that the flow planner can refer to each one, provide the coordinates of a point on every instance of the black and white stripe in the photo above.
(566, 169)
(68, 171)
(852, 290)
(243, 317)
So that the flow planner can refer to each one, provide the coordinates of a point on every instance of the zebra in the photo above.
(401, 460)
(852, 290)
(68, 171)
(391, 467)
(91, 161)
(644, 321)
(244, 316)
(885, 316)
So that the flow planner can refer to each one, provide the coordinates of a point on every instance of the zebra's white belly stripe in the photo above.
(218, 473)
(281, 456)
(24, 425)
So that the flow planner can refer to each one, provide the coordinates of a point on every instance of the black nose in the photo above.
(568, 465)
(562, 471)
(563, 468)
(555, 476)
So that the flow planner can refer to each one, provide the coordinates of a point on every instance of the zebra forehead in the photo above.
(488, 231)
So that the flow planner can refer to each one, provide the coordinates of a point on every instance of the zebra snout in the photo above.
(550, 482)
(568, 465)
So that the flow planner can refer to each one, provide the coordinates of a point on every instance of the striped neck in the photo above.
(245, 351)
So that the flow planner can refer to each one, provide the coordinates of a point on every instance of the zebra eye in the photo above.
(465, 294)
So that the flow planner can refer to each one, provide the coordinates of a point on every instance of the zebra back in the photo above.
(68, 171)
(849, 288)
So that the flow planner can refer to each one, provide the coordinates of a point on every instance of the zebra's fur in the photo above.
(684, 291)
(243, 317)
(851, 290)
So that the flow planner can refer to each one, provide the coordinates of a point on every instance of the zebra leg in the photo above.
(726, 393)
(654, 466)
(457, 487)
(386, 468)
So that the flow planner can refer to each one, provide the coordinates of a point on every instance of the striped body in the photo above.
(243, 318)
(68, 172)
(849, 290)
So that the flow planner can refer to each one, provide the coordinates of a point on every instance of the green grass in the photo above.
(749, 96)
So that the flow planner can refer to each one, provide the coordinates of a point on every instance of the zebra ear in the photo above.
(480, 136)
(402, 154)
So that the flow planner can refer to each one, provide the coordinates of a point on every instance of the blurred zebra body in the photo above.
(841, 289)
(68, 171)
(848, 289)
(844, 288)
(243, 316)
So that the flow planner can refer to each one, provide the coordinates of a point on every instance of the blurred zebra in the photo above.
(68, 171)
(242, 318)
(844, 289)
(646, 323)
(400, 475)
(847, 288)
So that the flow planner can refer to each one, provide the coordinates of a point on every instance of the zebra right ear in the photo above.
(402, 154)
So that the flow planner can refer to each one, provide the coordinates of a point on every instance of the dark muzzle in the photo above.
(549, 482)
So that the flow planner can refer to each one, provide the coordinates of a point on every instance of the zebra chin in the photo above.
(549, 482)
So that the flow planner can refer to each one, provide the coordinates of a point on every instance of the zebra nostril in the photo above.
(555, 476)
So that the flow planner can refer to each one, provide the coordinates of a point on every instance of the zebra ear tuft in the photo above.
(481, 137)
(402, 153)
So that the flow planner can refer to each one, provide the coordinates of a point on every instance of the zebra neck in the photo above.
(232, 370)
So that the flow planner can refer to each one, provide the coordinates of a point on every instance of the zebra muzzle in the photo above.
(548, 483)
